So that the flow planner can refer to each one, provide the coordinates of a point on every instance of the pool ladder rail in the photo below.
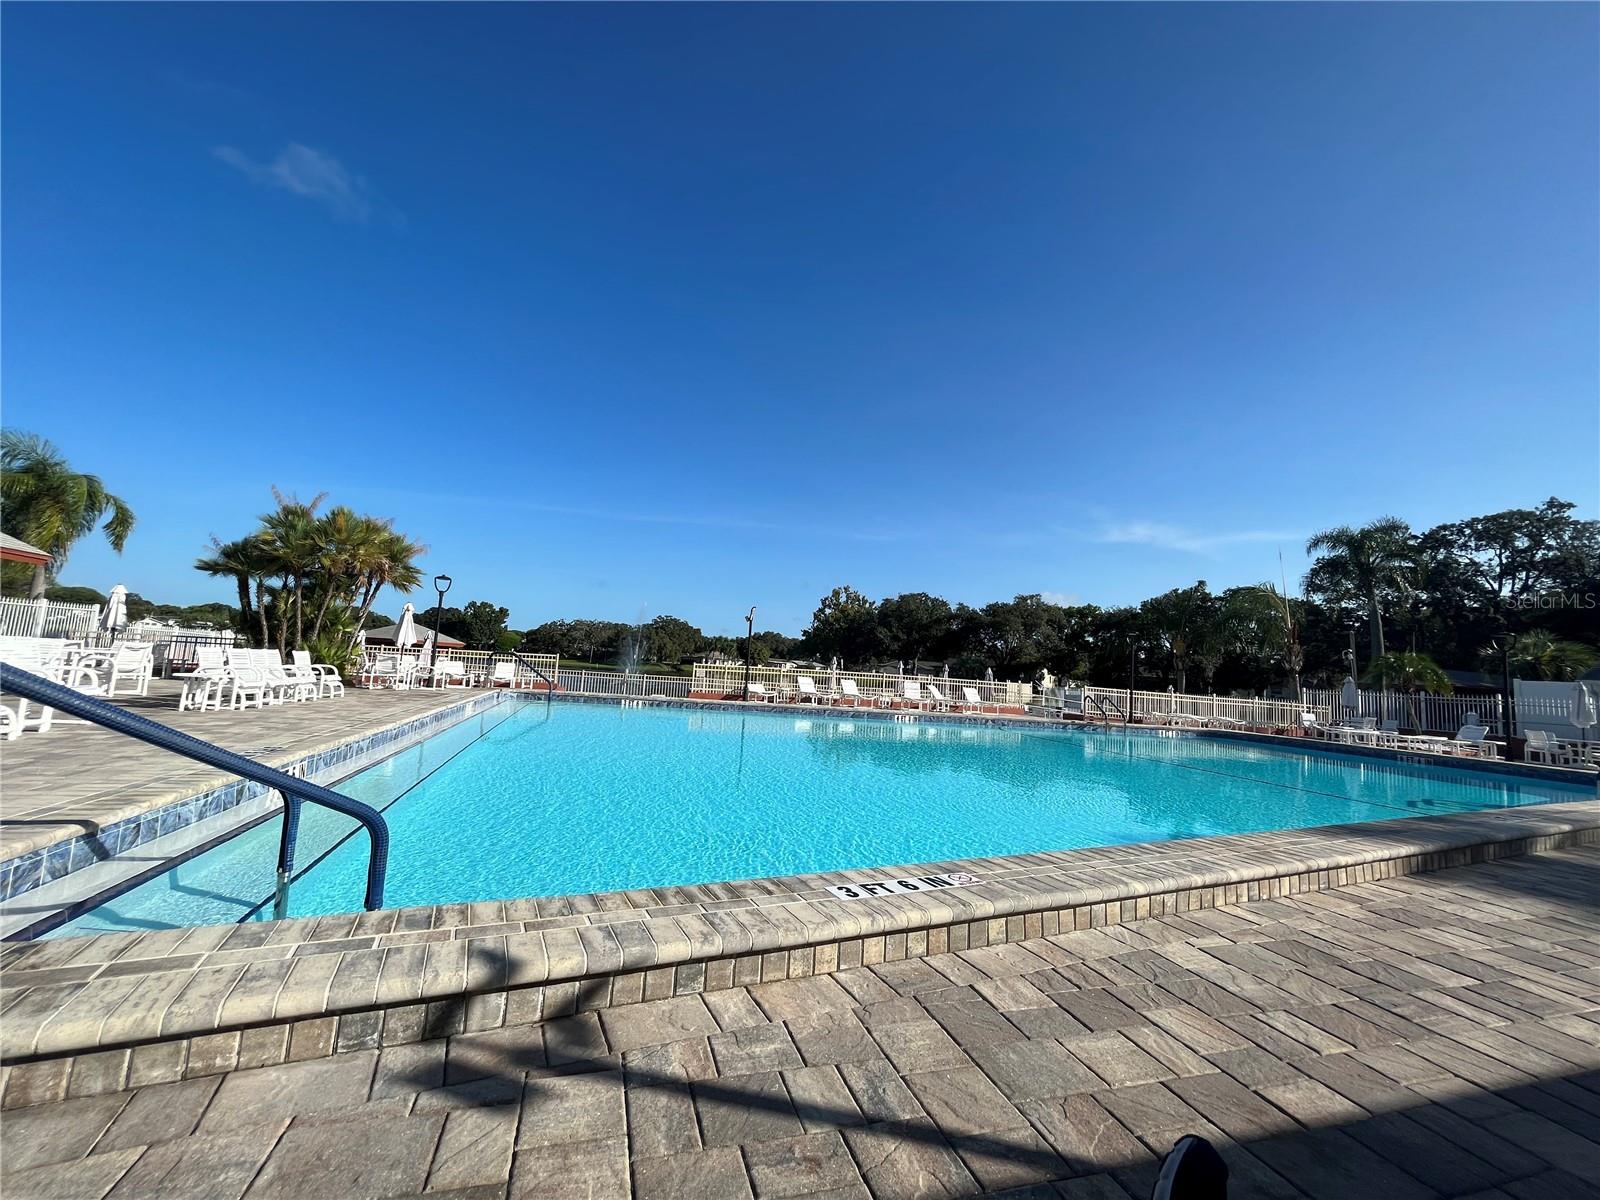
(1105, 706)
(295, 792)
(549, 684)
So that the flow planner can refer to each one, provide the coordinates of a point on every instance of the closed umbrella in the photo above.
(115, 615)
(405, 633)
(1585, 712)
(1349, 696)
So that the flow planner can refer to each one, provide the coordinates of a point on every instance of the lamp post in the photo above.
(1508, 709)
(749, 636)
(441, 584)
(1133, 664)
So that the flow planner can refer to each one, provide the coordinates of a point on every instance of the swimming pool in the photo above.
(571, 797)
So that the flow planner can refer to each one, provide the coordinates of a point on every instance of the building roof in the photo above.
(13, 549)
(385, 633)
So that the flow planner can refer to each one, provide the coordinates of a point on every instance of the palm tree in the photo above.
(1410, 673)
(290, 531)
(344, 542)
(47, 503)
(1265, 612)
(245, 562)
(1539, 654)
(391, 562)
(1362, 567)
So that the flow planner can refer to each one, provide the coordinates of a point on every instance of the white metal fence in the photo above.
(727, 679)
(1424, 712)
(478, 662)
(1265, 713)
(616, 683)
(47, 618)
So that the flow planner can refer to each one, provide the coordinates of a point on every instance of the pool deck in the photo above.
(79, 778)
(1424, 1036)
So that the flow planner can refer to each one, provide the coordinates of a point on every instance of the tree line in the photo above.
(1452, 596)
(1415, 601)
(1420, 601)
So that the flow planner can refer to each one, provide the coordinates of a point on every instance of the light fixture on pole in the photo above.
(441, 584)
(749, 636)
(1133, 666)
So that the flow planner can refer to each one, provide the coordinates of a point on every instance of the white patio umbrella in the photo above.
(1349, 696)
(405, 633)
(988, 674)
(115, 615)
(833, 674)
(1585, 712)
(901, 668)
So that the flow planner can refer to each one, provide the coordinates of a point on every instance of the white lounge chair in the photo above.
(911, 693)
(849, 691)
(269, 672)
(131, 663)
(937, 700)
(1361, 731)
(447, 672)
(291, 682)
(305, 684)
(324, 675)
(247, 683)
(14, 722)
(755, 690)
(1472, 739)
(806, 689)
(1547, 748)
(203, 686)
(972, 702)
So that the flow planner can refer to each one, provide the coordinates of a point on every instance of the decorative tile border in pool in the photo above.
(88, 1015)
(48, 863)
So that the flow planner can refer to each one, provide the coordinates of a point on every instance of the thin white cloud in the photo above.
(304, 171)
(1174, 537)
(1065, 599)
(850, 533)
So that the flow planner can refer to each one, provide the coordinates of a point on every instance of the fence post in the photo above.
(40, 607)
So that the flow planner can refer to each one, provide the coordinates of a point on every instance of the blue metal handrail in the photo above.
(295, 791)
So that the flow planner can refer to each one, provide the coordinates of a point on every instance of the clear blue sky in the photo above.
(642, 309)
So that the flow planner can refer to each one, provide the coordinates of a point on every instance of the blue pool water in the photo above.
(549, 799)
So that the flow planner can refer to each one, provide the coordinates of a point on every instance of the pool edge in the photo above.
(231, 996)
